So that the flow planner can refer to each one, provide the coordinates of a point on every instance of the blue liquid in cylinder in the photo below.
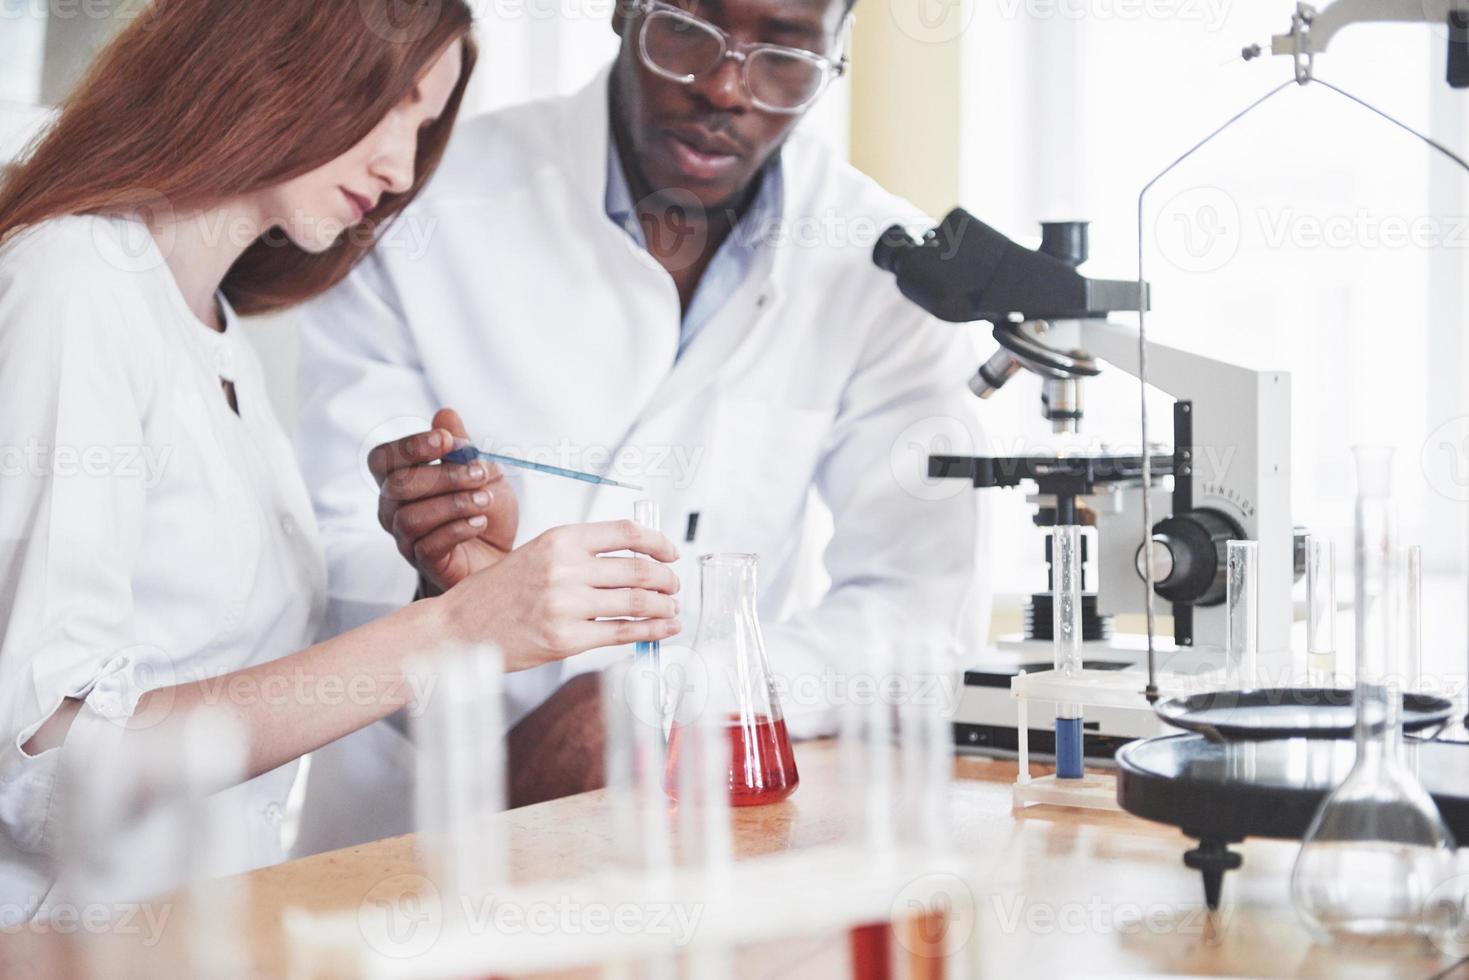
(1068, 748)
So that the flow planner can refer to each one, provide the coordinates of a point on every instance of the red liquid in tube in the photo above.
(872, 952)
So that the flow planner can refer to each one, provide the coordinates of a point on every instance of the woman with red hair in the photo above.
(161, 556)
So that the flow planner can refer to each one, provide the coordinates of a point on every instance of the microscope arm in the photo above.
(1175, 372)
(1312, 30)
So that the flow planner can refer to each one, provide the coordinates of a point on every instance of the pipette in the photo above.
(469, 454)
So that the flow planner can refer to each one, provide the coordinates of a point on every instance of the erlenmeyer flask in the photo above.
(730, 679)
(1378, 848)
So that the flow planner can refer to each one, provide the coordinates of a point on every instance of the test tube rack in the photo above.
(819, 891)
(1089, 688)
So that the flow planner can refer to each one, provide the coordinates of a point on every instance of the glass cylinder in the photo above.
(1066, 635)
(1412, 613)
(1321, 611)
(1242, 625)
(740, 696)
(1377, 849)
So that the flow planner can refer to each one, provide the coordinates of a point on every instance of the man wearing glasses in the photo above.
(657, 281)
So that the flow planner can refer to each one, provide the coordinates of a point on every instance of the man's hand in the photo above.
(449, 521)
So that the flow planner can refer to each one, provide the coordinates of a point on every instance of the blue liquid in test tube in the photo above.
(1066, 627)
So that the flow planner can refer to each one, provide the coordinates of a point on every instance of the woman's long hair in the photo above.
(199, 101)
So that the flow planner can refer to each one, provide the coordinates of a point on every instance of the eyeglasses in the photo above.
(681, 47)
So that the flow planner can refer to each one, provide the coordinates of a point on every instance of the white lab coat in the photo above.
(151, 537)
(506, 293)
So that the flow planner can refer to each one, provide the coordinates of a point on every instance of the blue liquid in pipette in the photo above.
(1068, 748)
(469, 454)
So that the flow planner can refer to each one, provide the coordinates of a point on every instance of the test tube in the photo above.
(1321, 611)
(1242, 627)
(460, 773)
(1413, 619)
(927, 765)
(645, 513)
(635, 751)
(140, 819)
(702, 774)
(867, 761)
(1066, 634)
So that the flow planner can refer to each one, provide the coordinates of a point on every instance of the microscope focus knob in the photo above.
(1190, 556)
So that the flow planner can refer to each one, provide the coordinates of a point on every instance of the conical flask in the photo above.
(729, 685)
(1377, 849)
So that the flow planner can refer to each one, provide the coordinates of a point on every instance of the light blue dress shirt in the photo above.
(731, 265)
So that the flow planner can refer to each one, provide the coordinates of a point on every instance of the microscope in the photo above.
(1225, 477)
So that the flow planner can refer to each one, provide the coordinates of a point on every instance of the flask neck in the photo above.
(727, 589)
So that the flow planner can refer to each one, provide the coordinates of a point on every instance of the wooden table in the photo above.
(1062, 892)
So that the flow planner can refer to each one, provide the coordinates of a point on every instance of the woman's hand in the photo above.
(546, 600)
(449, 521)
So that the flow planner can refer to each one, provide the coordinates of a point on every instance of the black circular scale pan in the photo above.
(1221, 793)
(1310, 712)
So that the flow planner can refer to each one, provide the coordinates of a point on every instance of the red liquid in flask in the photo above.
(762, 766)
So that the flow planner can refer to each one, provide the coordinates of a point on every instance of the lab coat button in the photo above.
(224, 363)
(288, 525)
(272, 813)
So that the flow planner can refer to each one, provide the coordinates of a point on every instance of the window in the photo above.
(1344, 242)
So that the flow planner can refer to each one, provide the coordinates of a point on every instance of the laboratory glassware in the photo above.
(645, 513)
(1321, 611)
(1067, 635)
(1412, 612)
(632, 709)
(142, 817)
(1242, 627)
(468, 454)
(459, 775)
(739, 694)
(1377, 849)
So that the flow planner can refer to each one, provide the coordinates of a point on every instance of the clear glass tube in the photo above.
(1321, 611)
(1377, 849)
(645, 513)
(1242, 627)
(1412, 615)
(460, 786)
(632, 709)
(143, 817)
(1067, 635)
